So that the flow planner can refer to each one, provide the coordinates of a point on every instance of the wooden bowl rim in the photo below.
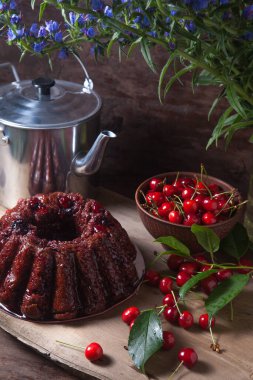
(187, 174)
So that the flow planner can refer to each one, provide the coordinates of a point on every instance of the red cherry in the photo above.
(191, 219)
(186, 320)
(155, 184)
(210, 204)
(224, 274)
(174, 262)
(209, 283)
(155, 197)
(188, 356)
(130, 314)
(187, 193)
(214, 188)
(204, 321)
(187, 182)
(200, 258)
(168, 300)
(165, 208)
(97, 207)
(204, 268)
(169, 190)
(99, 228)
(152, 277)
(165, 285)
(199, 200)
(245, 263)
(93, 351)
(178, 184)
(168, 340)
(223, 206)
(220, 197)
(201, 187)
(132, 323)
(182, 278)
(65, 202)
(171, 314)
(189, 267)
(190, 206)
(209, 218)
(175, 217)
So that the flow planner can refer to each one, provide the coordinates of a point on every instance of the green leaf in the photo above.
(112, 41)
(176, 76)
(235, 102)
(225, 292)
(174, 243)
(146, 54)
(194, 281)
(42, 10)
(145, 338)
(32, 3)
(236, 243)
(163, 72)
(206, 237)
(133, 45)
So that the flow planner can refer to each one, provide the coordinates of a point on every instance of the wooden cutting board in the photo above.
(234, 363)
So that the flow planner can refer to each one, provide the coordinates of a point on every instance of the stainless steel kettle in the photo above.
(50, 138)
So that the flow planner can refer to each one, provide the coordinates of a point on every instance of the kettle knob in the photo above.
(43, 85)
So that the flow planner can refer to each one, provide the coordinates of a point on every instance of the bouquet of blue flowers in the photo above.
(210, 39)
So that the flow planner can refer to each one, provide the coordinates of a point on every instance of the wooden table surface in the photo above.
(234, 363)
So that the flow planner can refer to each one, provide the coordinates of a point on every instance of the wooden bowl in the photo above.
(158, 227)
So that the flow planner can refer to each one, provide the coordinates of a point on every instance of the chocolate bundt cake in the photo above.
(63, 257)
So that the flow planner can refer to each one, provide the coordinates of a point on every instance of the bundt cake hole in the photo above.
(58, 228)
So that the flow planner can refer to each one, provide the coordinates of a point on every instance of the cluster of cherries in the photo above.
(189, 200)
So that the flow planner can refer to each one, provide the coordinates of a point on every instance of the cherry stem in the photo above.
(175, 371)
(211, 333)
(79, 348)
(173, 294)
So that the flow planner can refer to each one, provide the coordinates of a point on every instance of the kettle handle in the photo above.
(88, 83)
(13, 69)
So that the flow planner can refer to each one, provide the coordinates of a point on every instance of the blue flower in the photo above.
(90, 32)
(15, 19)
(72, 17)
(19, 33)
(108, 11)
(38, 46)
(199, 5)
(12, 5)
(58, 37)
(52, 26)
(34, 29)
(190, 25)
(63, 53)
(3, 6)
(248, 13)
(81, 20)
(11, 35)
(97, 5)
(42, 32)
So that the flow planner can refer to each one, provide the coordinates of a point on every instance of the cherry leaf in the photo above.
(172, 242)
(236, 243)
(145, 338)
(194, 281)
(225, 292)
(206, 237)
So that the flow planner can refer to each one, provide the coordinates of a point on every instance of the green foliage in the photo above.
(236, 243)
(194, 281)
(145, 338)
(225, 292)
(206, 237)
(178, 247)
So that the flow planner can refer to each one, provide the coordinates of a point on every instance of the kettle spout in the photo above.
(90, 163)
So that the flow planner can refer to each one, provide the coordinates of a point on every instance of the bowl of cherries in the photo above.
(170, 203)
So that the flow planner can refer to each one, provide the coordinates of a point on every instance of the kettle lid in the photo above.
(47, 104)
